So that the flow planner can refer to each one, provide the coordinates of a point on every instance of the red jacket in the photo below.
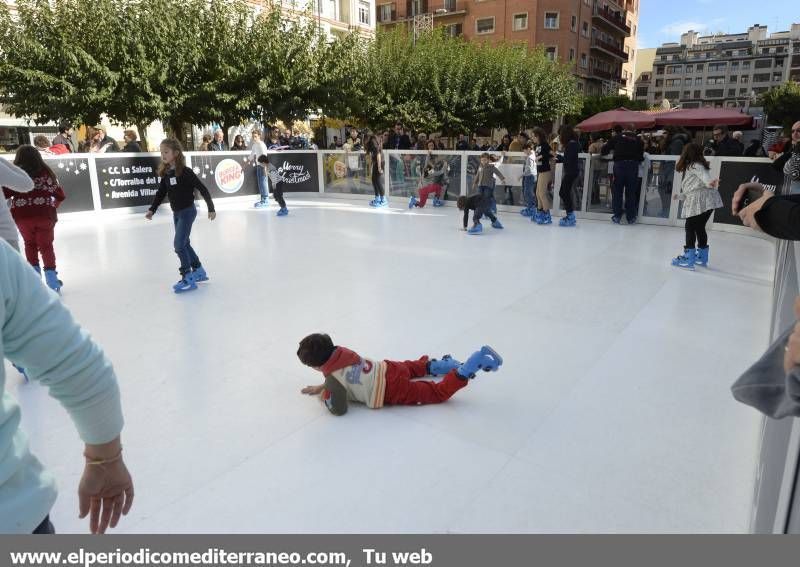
(42, 201)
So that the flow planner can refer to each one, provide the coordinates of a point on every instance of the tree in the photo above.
(782, 104)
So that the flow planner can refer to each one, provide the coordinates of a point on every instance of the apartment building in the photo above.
(335, 17)
(723, 70)
(598, 37)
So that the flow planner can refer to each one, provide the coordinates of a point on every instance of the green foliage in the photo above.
(782, 104)
(595, 104)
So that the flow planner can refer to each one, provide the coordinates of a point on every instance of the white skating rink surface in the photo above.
(612, 412)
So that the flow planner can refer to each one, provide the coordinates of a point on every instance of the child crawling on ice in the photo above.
(375, 383)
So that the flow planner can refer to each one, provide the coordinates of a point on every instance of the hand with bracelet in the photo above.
(747, 213)
(105, 492)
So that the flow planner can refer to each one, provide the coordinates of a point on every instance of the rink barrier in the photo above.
(120, 181)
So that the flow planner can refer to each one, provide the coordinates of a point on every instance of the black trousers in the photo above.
(45, 528)
(376, 182)
(277, 192)
(484, 208)
(567, 181)
(696, 230)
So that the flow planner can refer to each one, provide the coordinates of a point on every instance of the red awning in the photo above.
(694, 117)
(621, 116)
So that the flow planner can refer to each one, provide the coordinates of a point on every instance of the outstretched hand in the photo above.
(313, 390)
(149, 215)
(212, 216)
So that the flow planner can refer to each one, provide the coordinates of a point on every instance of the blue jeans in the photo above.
(261, 177)
(626, 174)
(794, 188)
(488, 195)
(183, 228)
(529, 190)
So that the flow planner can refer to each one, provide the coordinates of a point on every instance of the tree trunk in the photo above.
(142, 128)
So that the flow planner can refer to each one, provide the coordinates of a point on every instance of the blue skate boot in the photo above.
(199, 275)
(186, 283)
(262, 204)
(544, 218)
(701, 257)
(52, 281)
(442, 367)
(37, 269)
(375, 202)
(496, 224)
(526, 212)
(485, 359)
(282, 212)
(437, 202)
(685, 260)
(382, 202)
(412, 202)
(568, 220)
(477, 229)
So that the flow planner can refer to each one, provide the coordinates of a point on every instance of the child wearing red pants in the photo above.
(375, 383)
(35, 212)
(436, 175)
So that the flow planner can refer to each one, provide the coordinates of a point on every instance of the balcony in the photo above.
(605, 75)
(442, 9)
(613, 18)
(609, 48)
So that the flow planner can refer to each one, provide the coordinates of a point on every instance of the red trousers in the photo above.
(38, 233)
(426, 191)
(401, 390)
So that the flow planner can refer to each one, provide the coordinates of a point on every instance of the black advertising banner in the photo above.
(299, 171)
(73, 175)
(130, 181)
(225, 174)
(734, 173)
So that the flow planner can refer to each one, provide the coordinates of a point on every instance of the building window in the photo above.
(450, 5)
(742, 91)
(574, 23)
(698, 81)
(731, 92)
(583, 60)
(687, 82)
(484, 25)
(551, 53)
(520, 22)
(690, 68)
(659, 82)
(551, 20)
(700, 67)
(777, 77)
(417, 7)
(572, 54)
(696, 94)
(733, 79)
(761, 78)
(745, 79)
(585, 29)
(745, 64)
(763, 63)
(385, 12)
(363, 13)
(641, 91)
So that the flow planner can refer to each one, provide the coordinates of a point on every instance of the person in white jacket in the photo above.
(700, 196)
(14, 178)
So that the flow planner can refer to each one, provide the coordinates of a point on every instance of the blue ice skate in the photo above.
(686, 260)
(412, 202)
(375, 202)
(544, 218)
(496, 224)
(282, 212)
(701, 257)
(485, 359)
(199, 275)
(526, 212)
(52, 281)
(185, 284)
(568, 220)
(477, 229)
(382, 202)
(443, 366)
(262, 204)
(437, 202)
(37, 269)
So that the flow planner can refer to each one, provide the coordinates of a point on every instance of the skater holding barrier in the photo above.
(435, 173)
(376, 383)
(180, 183)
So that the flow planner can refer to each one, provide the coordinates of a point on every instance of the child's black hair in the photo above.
(315, 349)
(263, 159)
(461, 202)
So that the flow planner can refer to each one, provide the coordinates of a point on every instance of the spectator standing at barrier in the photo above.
(238, 144)
(65, 136)
(737, 138)
(334, 144)
(570, 173)
(700, 194)
(723, 144)
(40, 334)
(258, 149)
(180, 183)
(131, 143)
(462, 144)
(275, 141)
(400, 140)
(597, 143)
(205, 143)
(352, 156)
(218, 143)
(376, 166)
(102, 142)
(544, 177)
(43, 145)
(518, 143)
(628, 154)
(35, 212)
(755, 149)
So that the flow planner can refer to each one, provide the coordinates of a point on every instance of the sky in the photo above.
(662, 21)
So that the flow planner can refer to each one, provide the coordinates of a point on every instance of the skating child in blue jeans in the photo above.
(529, 181)
(484, 180)
(180, 183)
